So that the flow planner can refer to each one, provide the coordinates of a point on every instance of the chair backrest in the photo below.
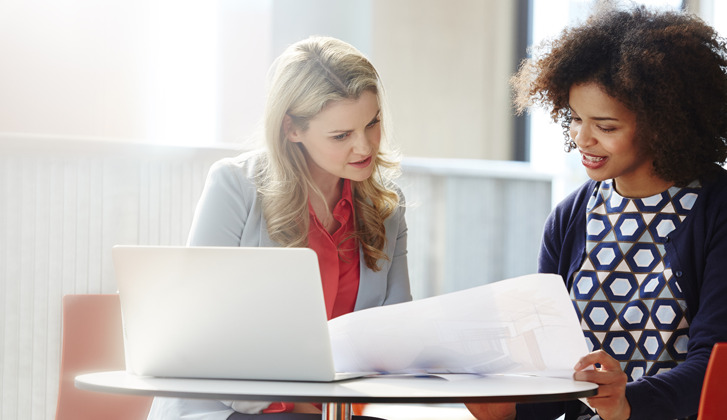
(713, 402)
(93, 341)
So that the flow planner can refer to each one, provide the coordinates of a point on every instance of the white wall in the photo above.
(73, 67)
(193, 71)
(446, 66)
(159, 71)
(66, 202)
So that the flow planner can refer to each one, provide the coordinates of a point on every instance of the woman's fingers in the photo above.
(601, 376)
(598, 357)
(610, 402)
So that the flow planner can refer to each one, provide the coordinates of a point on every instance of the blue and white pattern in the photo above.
(626, 296)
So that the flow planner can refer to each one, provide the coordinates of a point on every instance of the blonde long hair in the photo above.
(307, 76)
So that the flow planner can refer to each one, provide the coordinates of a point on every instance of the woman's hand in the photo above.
(492, 411)
(610, 402)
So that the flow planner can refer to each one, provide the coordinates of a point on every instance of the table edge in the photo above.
(564, 396)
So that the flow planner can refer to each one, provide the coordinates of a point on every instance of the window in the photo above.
(714, 12)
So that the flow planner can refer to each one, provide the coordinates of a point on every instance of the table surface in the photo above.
(376, 389)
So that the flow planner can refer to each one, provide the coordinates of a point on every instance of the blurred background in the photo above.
(111, 112)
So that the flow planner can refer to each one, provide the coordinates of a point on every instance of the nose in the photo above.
(582, 135)
(362, 144)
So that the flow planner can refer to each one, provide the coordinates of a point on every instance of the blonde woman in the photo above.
(323, 180)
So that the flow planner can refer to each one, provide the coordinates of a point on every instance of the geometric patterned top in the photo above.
(626, 296)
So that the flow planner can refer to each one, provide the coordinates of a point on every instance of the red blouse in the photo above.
(338, 258)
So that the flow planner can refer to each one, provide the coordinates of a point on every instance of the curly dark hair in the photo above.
(666, 67)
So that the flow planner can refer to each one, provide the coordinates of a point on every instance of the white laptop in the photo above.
(224, 312)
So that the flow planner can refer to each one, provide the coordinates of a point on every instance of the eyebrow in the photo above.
(378, 112)
(596, 118)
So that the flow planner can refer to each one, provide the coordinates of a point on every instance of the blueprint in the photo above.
(523, 325)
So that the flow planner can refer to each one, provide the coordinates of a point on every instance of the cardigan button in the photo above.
(678, 273)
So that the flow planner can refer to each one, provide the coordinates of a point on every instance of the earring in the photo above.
(565, 126)
(569, 145)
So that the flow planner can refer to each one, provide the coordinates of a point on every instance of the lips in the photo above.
(361, 163)
(592, 161)
(593, 158)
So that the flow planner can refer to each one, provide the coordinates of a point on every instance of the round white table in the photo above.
(337, 396)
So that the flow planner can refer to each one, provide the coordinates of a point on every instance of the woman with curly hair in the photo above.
(642, 246)
(323, 180)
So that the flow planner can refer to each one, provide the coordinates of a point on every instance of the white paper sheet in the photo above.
(521, 325)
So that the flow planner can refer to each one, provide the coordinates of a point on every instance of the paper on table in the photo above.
(521, 325)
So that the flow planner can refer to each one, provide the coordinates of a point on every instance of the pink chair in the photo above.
(93, 341)
(713, 402)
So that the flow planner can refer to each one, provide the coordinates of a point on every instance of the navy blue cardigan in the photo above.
(697, 249)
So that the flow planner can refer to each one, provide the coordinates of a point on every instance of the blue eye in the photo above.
(340, 136)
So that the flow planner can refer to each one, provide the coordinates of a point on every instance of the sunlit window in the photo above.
(183, 63)
(207, 67)
(715, 13)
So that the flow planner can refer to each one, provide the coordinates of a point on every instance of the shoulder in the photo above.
(400, 209)
(717, 185)
(241, 170)
(387, 191)
(247, 163)
(575, 201)
(569, 212)
(397, 189)
(714, 203)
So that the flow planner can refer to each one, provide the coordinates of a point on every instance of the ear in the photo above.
(292, 133)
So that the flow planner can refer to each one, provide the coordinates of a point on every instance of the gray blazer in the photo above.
(229, 214)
